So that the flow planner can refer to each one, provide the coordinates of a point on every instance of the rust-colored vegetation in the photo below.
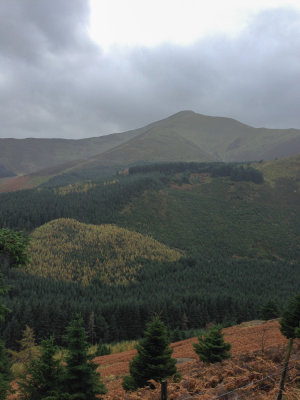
(257, 352)
(16, 183)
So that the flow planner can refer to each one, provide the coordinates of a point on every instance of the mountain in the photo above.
(188, 136)
(185, 136)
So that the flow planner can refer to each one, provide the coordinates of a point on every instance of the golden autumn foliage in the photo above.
(81, 187)
(69, 250)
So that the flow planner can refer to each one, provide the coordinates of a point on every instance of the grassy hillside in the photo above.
(65, 249)
(281, 170)
(24, 156)
(152, 146)
(230, 140)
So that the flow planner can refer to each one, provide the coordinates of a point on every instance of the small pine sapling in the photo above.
(153, 360)
(289, 326)
(82, 381)
(44, 375)
(211, 347)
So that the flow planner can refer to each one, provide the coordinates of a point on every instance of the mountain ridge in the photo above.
(184, 136)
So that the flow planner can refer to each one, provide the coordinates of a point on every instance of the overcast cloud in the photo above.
(55, 82)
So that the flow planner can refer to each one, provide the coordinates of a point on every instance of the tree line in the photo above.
(236, 171)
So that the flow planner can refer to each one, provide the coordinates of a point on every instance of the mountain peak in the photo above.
(183, 113)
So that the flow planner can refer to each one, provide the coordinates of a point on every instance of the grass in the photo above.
(286, 169)
(123, 346)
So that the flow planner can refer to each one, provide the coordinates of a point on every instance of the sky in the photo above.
(79, 68)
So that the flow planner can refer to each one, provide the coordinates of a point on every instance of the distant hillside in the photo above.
(66, 249)
(24, 156)
(152, 146)
(281, 170)
(237, 245)
(196, 211)
(230, 140)
(185, 136)
(188, 136)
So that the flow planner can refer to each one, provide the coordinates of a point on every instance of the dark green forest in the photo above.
(239, 238)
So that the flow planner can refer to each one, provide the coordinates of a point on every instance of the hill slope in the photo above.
(65, 249)
(281, 170)
(239, 240)
(249, 364)
(217, 216)
(24, 156)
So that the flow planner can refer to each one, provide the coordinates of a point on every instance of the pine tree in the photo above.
(82, 382)
(269, 310)
(103, 349)
(211, 347)
(28, 349)
(289, 326)
(44, 375)
(3, 290)
(153, 360)
(91, 328)
(290, 319)
(4, 372)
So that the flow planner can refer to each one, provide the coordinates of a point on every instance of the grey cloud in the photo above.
(54, 82)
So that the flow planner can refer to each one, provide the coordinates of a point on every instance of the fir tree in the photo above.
(153, 360)
(211, 347)
(269, 310)
(28, 349)
(82, 382)
(289, 326)
(3, 290)
(103, 349)
(91, 328)
(290, 319)
(44, 375)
